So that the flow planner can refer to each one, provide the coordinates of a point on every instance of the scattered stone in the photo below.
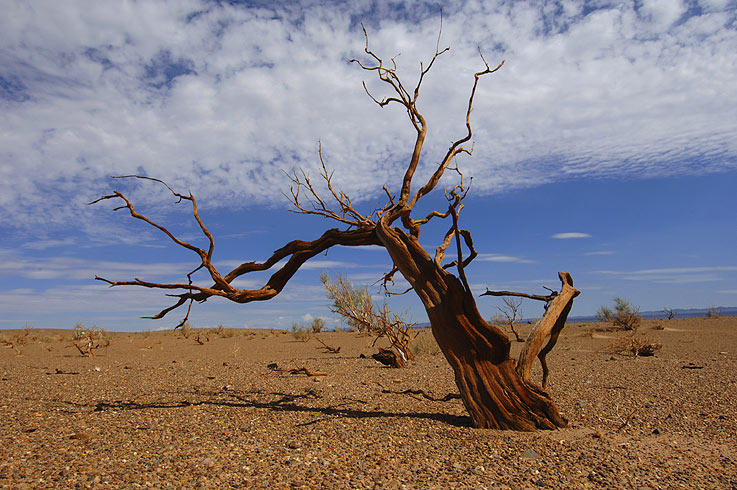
(691, 365)
(530, 454)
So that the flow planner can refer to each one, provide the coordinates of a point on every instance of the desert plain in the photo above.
(160, 410)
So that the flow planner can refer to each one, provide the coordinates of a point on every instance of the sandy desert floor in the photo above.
(157, 410)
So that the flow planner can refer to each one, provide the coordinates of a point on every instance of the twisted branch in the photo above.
(296, 253)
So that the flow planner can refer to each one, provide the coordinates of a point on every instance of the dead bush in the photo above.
(317, 325)
(87, 340)
(223, 332)
(635, 345)
(300, 332)
(18, 340)
(511, 314)
(357, 308)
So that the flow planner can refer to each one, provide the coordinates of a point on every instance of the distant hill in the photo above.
(647, 315)
(679, 312)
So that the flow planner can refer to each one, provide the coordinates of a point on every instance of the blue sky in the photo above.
(606, 146)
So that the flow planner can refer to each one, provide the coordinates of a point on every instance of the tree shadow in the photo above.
(285, 402)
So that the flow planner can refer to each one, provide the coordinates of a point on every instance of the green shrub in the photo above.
(624, 315)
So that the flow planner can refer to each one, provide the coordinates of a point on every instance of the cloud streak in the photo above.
(674, 275)
(571, 235)
(218, 98)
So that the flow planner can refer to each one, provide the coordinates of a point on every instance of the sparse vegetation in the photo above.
(636, 345)
(670, 313)
(185, 329)
(18, 340)
(625, 316)
(87, 340)
(358, 310)
(317, 325)
(202, 337)
(510, 315)
(300, 332)
(713, 313)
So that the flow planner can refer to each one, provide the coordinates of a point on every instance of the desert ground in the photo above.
(158, 410)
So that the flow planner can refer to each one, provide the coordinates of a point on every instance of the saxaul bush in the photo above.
(635, 345)
(624, 316)
(18, 340)
(359, 311)
(87, 340)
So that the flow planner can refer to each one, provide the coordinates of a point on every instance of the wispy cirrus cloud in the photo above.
(570, 235)
(217, 98)
(671, 275)
(74, 268)
(489, 257)
(45, 244)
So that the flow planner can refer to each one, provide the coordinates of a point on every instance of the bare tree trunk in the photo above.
(493, 391)
(495, 394)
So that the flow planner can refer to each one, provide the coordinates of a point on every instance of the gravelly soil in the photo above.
(156, 410)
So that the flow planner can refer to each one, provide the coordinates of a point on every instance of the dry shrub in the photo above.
(317, 325)
(357, 308)
(624, 316)
(18, 340)
(300, 332)
(713, 313)
(87, 340)
(635, 345)
(186, 329)
(511, 314)
(224, 333)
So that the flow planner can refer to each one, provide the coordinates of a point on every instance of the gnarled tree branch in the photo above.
(295, 253)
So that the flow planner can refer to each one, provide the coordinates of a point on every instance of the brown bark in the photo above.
(389, 358)
(496, 394)
(550, 325)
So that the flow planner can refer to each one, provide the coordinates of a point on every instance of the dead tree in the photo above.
(510, 315)
(496, 390)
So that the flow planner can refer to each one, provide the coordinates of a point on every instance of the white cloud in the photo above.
(44, 244)
(674, 275)
(566, 236)
(72, 268)
(502, 258)
(217, 98)
(600, 252)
